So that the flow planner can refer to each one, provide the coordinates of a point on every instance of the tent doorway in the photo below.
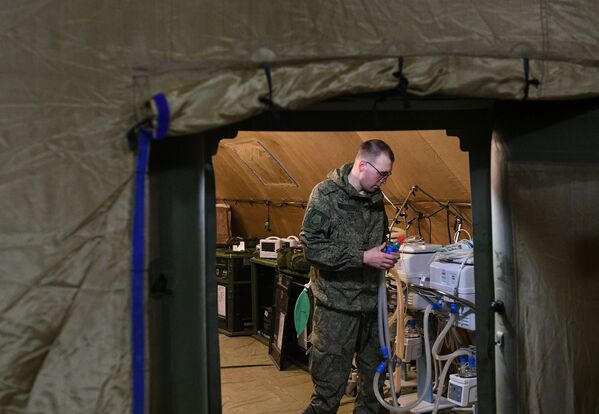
(182, 311)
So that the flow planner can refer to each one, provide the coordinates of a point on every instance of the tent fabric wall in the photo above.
(555, 272)
(75, 77)
(236, 94)
(545, 228)
(318, 51)
(66, 174)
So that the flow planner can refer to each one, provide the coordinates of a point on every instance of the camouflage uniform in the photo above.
(339, 225)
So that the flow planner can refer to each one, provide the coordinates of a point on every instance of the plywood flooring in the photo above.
(252, 384)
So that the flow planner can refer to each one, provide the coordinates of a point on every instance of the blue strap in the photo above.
(139, 140)
(138, 274)
(163, 116)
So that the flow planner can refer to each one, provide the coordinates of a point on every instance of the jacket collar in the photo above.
(339, 176)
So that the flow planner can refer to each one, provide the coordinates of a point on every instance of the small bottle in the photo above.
(410, 330)
(412, 342)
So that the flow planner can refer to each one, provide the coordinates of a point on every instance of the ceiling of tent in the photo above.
(283, 167)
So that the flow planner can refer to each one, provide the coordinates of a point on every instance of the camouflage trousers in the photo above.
(336, 336)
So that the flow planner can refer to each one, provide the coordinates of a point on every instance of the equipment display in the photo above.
(269, 247)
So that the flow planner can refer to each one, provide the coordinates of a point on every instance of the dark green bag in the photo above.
(297, 261)
(282, 254)
(292, 258)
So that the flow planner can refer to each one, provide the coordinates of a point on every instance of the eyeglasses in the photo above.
(383, 176)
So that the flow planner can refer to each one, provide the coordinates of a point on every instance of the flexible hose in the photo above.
(449, 358)
(400, 310)
(427, 382)
(385, 328)
(441, 338)
(437, 372)
(457, 284)
(400, 326)
(379, 315)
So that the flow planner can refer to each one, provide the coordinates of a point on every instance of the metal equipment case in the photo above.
(234, 306)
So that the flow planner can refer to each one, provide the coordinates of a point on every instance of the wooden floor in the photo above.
(251, 383)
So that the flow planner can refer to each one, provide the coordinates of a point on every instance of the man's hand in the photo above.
(378, 259)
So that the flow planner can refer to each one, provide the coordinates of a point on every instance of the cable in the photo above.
(456, 235)
(430, 230)
(246, 366)
(276, 203)
(457, 282)
(448, 231)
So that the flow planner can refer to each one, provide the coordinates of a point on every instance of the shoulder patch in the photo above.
(315, 220)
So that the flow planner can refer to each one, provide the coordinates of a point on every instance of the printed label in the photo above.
(222, 301)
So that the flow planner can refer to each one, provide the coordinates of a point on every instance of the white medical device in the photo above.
(269, 247)
(462, 391)
(291, 241)
(456, 279)
(414, 267)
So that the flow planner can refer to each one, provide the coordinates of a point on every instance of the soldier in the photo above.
(343, 236)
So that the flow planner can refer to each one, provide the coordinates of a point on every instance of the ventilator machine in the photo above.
(427, 329)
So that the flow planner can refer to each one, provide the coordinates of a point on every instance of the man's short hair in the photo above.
(372, 148)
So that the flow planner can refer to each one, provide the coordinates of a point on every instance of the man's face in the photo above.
(375, 173)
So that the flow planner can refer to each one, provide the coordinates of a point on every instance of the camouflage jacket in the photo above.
(339, 225)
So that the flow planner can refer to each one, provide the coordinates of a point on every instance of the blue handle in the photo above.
(392, 248)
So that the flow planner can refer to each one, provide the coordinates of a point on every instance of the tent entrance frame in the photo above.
(184, 350)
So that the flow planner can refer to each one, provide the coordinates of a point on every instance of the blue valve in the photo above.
(381, 368)
(392, 248)
(453, 308)
(385, 352)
